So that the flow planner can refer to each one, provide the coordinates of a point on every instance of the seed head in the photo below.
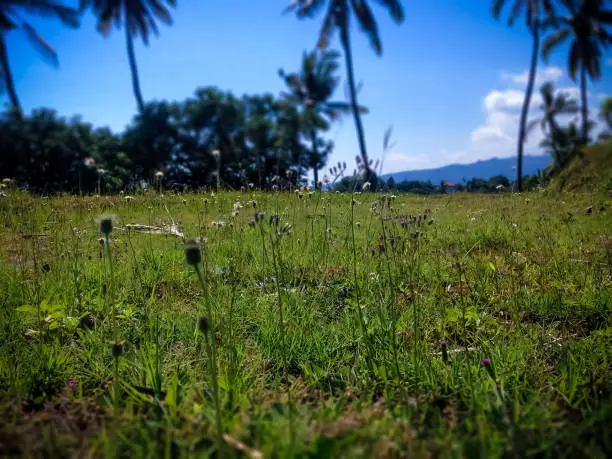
(203, 324)
(117, 348)
(106, 223)
(193, 253)
(444, 344)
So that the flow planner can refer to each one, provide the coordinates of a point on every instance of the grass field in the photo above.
(343, 329)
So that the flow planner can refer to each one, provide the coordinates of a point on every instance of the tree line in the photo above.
(218, 138)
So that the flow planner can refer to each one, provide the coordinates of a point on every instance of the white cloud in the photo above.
(504, 100)
(497, 135)
(544, 74)
(395, 161)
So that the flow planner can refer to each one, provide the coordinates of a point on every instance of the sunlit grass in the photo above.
(337, 324)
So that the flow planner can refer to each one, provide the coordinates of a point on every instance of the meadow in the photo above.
(306, 324)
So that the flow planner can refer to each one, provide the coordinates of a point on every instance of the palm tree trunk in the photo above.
(527, 101)
(132, 58)
(346, 45)
(8, 79)
(315, 154)
(584, 107)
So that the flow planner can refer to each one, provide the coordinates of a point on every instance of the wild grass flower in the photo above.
(203, 325)
(488, 365)
(193, 257)
(444, 344)
(116, 352)
(105, 223)
(193, 253)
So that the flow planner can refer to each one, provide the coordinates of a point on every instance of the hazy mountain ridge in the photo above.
(484, 169)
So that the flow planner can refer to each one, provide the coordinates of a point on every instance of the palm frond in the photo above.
(516, 10)
(330, 22)
(160, 11)
(367, 23)
(531, 126)
(553, 40)
(395, 9)
(496, 8)
(49, 8)
(304, 8)
(40, 44)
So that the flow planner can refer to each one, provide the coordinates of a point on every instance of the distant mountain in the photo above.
(485, 169)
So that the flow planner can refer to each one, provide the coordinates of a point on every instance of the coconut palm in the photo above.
(310, 90)
(561, 142)
(585, 24)
(535, 10)
(605, 114)
(138, 17)
(10, 19)
(553, 105)
(338, 17)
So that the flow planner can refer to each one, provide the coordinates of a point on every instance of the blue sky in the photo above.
(450, 80)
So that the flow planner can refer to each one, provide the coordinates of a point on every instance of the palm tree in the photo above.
(138, 17)
(560, 141)
(533, 17)
(310, 90)
(337, 17)
(11, 20)
(585, 24)
(553, 105)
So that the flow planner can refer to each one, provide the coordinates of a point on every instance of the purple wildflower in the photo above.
(487, 364)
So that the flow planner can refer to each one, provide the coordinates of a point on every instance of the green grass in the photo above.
(590, 171)
(355, 368)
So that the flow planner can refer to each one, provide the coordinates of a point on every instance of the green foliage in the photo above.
(257, 137)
